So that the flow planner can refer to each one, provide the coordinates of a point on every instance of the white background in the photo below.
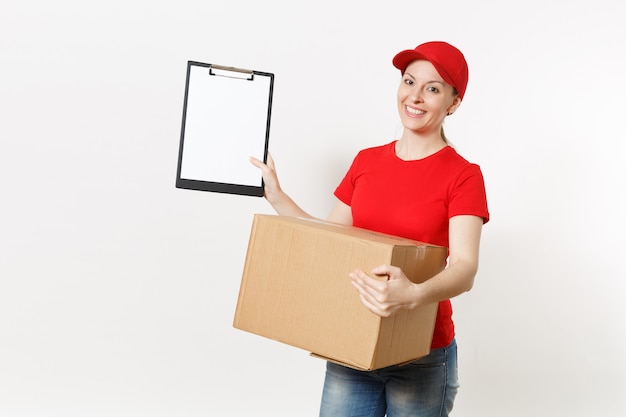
(117, 290)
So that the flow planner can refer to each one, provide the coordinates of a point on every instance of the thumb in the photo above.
(382, 271)
(390, 271)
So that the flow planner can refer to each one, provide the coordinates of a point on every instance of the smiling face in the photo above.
(424, 99)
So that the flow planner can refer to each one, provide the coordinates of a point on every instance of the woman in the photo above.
(416, 187)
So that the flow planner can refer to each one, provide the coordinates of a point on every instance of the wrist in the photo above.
(274, 197)
(417, 296)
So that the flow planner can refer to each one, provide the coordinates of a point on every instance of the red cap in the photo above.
(447, 60)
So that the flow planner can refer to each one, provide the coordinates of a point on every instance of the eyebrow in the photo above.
(428, 82)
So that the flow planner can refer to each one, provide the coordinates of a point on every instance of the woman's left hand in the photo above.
(386, 294)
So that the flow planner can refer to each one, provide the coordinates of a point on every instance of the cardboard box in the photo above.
(295, 289)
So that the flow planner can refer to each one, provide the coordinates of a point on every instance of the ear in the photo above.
(455, 105)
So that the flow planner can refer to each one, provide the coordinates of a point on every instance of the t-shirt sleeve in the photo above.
(468, 196)
(345, 189)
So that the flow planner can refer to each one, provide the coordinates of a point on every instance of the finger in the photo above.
(388, 271)
(367, 285)
(365, 294)
(371, 306)
(371, 302)
(257, 163)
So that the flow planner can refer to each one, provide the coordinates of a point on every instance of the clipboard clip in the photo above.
(231, 72)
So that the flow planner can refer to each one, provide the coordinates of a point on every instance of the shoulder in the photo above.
(457, 163)
(458, 172)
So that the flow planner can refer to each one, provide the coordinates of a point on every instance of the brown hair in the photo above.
(443, 135)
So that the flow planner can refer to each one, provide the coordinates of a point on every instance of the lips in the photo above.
(414, 112)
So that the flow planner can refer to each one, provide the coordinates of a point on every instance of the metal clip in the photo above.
(221, 71)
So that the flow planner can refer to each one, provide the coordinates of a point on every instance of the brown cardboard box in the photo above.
(295, 289)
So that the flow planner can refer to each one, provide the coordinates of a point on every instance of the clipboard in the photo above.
(226, 119)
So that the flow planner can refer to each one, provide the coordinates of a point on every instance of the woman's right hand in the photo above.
(280, 201)
(270, 178)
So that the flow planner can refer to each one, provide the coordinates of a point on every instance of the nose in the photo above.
(415, 95)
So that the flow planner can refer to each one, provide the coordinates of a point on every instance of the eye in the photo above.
(408, 81)
(432, 89)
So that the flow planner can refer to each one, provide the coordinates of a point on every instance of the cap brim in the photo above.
(404, 58)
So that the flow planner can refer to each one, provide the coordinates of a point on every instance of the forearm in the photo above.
(449, 283)
(274, 194)
(458, 277)
(386, 296)
(284, 205)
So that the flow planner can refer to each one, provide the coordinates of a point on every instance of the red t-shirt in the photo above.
(415, 200)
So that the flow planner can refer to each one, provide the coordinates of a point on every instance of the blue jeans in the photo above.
(423, 388)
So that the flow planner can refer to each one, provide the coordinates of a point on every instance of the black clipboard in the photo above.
(226, 119)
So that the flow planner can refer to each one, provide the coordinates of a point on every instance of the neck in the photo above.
(411, 147)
